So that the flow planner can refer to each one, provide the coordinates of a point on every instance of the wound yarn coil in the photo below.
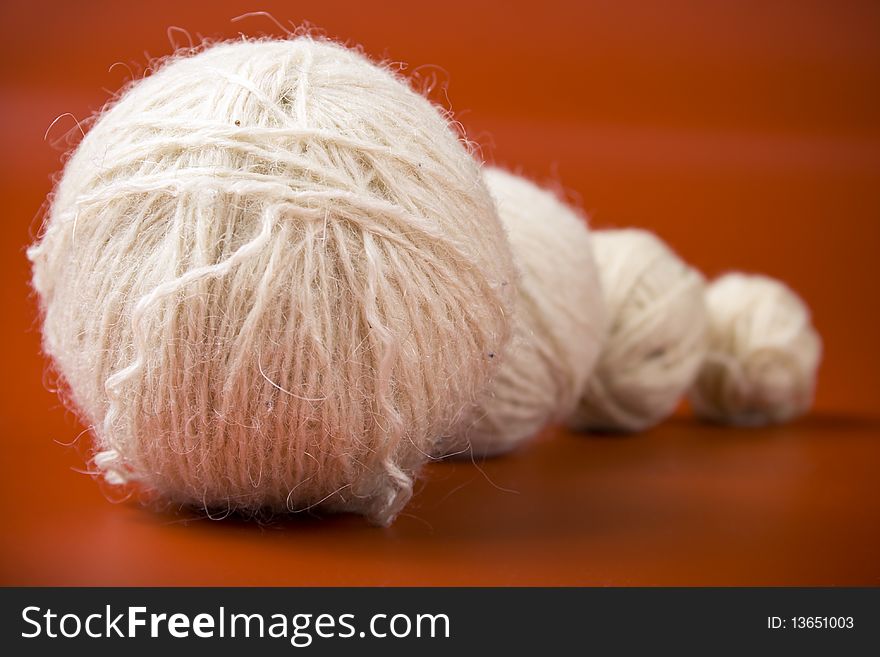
(558, 322)
(272, 278)
(656, 336)
(763, 354)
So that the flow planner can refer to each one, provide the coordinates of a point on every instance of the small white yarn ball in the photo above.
(273, 278)
(656, 338)
(763, 353)
(558, 324)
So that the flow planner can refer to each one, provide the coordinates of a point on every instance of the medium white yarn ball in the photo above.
(763, 353)
(657, 333)
(273, 278)
(559, 320)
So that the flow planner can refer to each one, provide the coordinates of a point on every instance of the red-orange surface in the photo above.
(746, 134)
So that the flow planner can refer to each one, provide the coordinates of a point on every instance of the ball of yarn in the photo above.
(559, 319)
(272, 277)
(657, 333)
(763, 353)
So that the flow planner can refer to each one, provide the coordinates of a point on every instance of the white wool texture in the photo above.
(656, 338)
(763, 353)
(273, 279)
(559, 320)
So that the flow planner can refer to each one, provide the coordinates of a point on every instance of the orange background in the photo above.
(747, 134)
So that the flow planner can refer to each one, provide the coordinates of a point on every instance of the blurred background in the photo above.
(746, 134)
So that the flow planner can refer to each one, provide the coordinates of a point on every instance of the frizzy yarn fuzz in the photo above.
(656, 336)
(273, 278)
(559, 320)
(763, 355)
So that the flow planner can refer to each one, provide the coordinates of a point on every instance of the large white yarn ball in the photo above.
(657, 333)
(559, 320)
(763, 353)
(273, 278)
